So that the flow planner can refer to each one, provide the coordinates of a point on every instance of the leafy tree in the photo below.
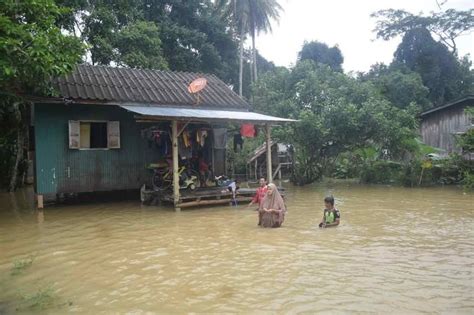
(438, 68)
(337, 113)
(32, 50)
(321, 53)
(447, 25)
(139, 46)
(167, 34)
(399, 85)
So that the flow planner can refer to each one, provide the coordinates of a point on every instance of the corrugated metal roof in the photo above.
(203, 114)
(466, 98)
(154, 87)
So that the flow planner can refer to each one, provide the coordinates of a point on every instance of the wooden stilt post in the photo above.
(174, 139)
(269, 154)
(39, 199)
(256, 166)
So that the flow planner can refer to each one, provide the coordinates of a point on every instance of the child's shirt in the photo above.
(331, 215)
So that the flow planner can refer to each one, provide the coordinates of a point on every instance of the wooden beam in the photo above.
(211, 202)
(174, 140)
(269, 153)
(256, 168)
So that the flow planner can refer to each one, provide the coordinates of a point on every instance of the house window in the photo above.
(94, 134)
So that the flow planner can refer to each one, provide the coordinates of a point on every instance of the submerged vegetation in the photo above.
(19, 266)
(41, 299)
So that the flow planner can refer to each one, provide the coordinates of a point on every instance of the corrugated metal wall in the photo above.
(438, 128)
(60, 169)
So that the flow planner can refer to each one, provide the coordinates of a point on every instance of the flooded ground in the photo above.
(398, 250)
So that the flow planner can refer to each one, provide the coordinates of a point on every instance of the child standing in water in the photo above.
(331, 215)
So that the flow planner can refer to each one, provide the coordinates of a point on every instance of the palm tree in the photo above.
(249, 16)
(261, 14)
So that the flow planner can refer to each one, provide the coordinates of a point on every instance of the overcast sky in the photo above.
(345, 23)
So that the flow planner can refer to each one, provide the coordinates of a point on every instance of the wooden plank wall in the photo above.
(438, 128)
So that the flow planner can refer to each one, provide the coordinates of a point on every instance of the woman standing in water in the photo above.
(272, 209)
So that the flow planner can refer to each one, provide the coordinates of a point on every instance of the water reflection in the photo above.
(397, 250)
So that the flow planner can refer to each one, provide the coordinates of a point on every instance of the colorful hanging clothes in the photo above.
(247, 130)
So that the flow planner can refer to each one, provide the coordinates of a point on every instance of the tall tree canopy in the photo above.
(321, 53)
(447, 25)
(439, 69)
(401, 86)
(32, 50)
(446, 76)
(163, 34)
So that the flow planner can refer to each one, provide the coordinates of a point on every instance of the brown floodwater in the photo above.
(397, 250)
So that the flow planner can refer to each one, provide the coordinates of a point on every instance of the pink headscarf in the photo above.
(274, 201)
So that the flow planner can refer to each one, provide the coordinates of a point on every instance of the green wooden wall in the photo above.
(63, 170)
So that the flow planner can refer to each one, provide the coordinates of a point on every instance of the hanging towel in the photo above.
(220, 138)
(247, 130)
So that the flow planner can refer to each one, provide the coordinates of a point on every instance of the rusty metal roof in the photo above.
(204, 114)
(157, 88)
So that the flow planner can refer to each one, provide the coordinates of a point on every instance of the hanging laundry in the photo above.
(238, 142)
(247, 130)
(220, 138)
(201, 136)
(186, 138)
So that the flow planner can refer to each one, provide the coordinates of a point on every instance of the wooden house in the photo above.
(282, 161)
(107, 124)
(440, 125)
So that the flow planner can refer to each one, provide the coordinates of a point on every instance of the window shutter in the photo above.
(74, 134)
(113, 134)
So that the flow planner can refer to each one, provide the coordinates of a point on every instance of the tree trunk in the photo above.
(18, 148)
(251, 68)
(241, 52)
(254, 57)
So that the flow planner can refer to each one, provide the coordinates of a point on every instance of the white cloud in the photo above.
(347, 24)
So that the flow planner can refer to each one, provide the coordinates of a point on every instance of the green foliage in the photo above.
(21, 265)
(176, 35)
(41, 299)
(466, 141)
(399, 85)
(237, 161)
(32, 50)
(321, 53)
(381, 172)
(337, 114)
(438, 68)
(447, 25)
(32, 47)
(139, 46)
(445, 75)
